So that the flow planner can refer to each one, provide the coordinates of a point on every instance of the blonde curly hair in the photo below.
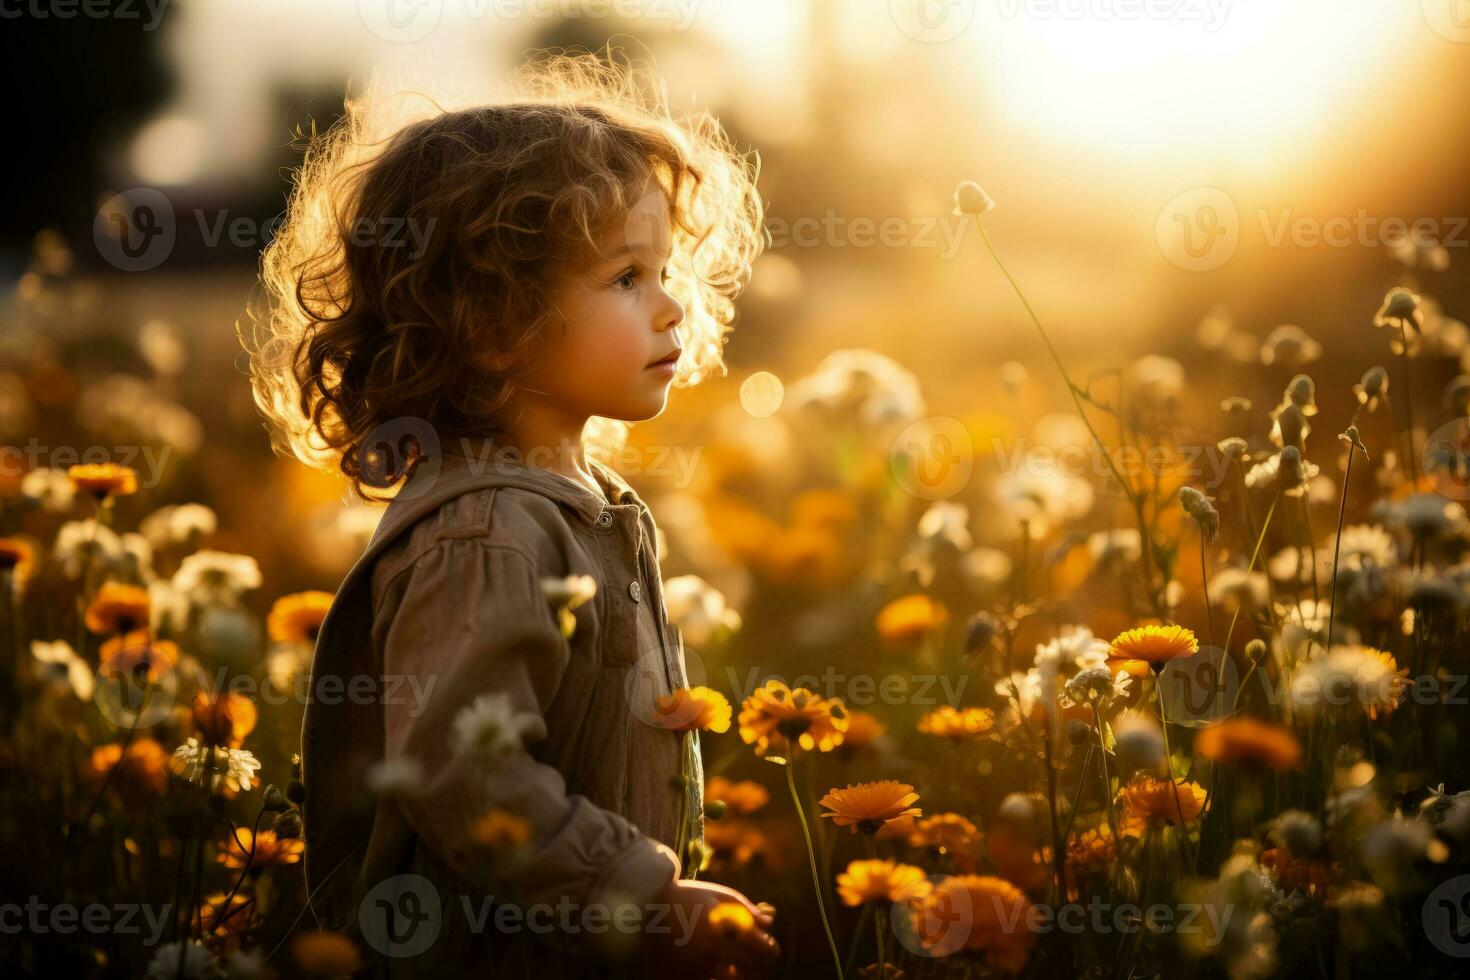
(353, 335)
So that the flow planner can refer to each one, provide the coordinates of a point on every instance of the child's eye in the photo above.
(627, 280)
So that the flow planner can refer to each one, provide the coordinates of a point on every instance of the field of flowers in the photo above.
(1116, 674)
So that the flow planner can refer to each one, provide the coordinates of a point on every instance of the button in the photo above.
(605, 518)
(636, 591)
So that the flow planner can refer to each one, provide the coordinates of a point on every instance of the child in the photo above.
(455, 310)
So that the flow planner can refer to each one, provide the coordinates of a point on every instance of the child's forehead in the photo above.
(644, 232)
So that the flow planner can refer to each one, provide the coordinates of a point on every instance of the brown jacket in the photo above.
(446, 606)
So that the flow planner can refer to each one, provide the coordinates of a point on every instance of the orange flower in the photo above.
(103, 480)
(16, 553)
(863, 728)
(142, 771)
(739, 798)
(1016, 855)
(878, 881)
(977, 913)
(958, 725)
(1155, 644)
(731, 918)
(328, 953)
(225, 720)
(693, 709)
(501, 831)
(270, 852)
(868, 806)
(735, 843)
(296, 618)
(777, 719)
(136, 653)
(1149, 802)
(906, 620)
(117, 608)
(1249, 741)
(949, 832)
(1091, 853)
(231, 924)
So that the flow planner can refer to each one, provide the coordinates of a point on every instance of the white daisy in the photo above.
(698, 609)
(215, 577)
(50, 488)
(226, 767)
(64, 668)
(491, 727)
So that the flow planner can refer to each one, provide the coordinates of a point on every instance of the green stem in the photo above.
(811, 855)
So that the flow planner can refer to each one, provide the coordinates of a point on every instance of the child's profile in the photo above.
(581, 253)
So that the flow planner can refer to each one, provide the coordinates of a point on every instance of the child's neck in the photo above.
(552, 440)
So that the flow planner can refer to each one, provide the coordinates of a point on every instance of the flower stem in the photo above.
(1337, 546)
(1169, 775)
(1106, 778)
(811, 855)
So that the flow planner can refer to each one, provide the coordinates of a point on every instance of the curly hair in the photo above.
(412, 276)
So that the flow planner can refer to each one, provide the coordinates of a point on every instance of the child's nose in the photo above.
(671, 314)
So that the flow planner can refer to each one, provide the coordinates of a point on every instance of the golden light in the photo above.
(761, 394)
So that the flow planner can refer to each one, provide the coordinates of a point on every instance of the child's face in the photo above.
(618, 322)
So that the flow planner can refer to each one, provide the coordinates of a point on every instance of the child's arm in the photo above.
(472, 617)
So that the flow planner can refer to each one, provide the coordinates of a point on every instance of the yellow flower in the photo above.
(868, 806)
(731, 918)
(778, 719)
(959, 725)
(103, 480)
(1149, 802)
(134, 653)
(739, 798)
(117, 608)
(296, 618)
(878, 881)
(996, 924)
(501, 831)
(1155, 644)
(270, 852)
(906, 620)
(949, 832)
(1250, 741)
(693, 709)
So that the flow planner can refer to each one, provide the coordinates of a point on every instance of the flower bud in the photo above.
(288, 825)
(970, 198)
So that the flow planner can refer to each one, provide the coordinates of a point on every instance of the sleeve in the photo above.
(472, 621)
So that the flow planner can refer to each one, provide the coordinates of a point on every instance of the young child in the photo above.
(455, 310)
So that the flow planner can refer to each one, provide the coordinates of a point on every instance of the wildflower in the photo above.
(877, 881)
(491, 727)
(1372, 389)
(117, 608)
(1400, 311)
(223, 720)
(226, 917)
(1202, 509)
(946, 832)
(1091, 853)
(1096, 686)
(325, 953)
(50, 488)
(1138, 741)
(1235, 405)
(736, 843)
(1156, 378)
(1058, 659)
(693, 709)
(970, 198)
(1040, 500)
(296, 618)
(731, 919)
(778, 719)
(168, 609)
(1156, 645)
(1234, 587)
(1290, 346)
(269, 851)
(85, 544)
(227, 770)
(998, 927)
(16, 556)
(216, 577)
(136, 655)
(868, 806)
(1233, 447)
(141, 772)
(1247, 740)
(501, 831)
(63, 668)
(698, 610)
(908, 619)
(957, 724)
(1149, 802)
(740, 798)
(1349, 676)
(986, 568)
(1285, 469)
(1115, 546)
(398, 775)
(566, 594)
(103, 480)
(861, 385)
(176, 524)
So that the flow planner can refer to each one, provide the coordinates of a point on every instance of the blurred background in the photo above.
(1156, 165)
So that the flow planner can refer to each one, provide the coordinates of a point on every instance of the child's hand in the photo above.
(727, 948)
